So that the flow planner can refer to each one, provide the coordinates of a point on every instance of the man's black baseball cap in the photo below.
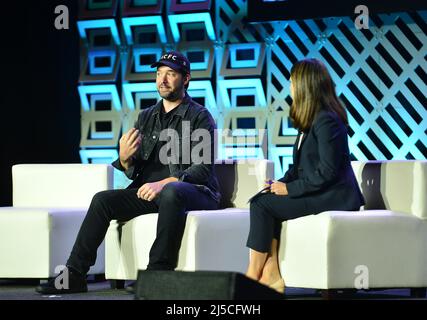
(175, 60)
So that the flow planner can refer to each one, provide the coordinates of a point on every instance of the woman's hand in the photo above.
(279, 188)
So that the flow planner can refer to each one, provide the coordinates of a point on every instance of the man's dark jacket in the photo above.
(149, 126)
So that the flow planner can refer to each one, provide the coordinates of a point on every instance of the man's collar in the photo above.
(182, 107)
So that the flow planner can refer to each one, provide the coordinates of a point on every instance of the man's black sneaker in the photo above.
(76, 284)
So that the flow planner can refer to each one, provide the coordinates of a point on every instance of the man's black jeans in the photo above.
(172, 204)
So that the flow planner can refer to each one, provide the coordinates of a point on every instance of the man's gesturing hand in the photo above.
(129, 143)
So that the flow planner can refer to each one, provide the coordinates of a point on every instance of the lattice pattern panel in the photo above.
(380, 75)
(241, 74)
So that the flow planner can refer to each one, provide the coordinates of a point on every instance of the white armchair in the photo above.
(213, 240)
(382, 246)
(50, 202)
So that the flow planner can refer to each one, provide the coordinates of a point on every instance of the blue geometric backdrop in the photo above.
(240, 72)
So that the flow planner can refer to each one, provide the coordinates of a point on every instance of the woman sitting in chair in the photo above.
(320, 179)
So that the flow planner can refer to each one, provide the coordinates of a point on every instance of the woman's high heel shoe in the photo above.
(279, 286)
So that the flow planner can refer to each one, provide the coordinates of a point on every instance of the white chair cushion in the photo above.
(241, 179)
(33, 241)
(400, 186)
(213, 240)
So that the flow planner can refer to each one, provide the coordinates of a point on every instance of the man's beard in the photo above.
(174, 94)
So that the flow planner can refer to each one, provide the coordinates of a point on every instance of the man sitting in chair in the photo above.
(165, 180)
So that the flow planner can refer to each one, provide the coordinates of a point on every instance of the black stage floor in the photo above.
(24, 290)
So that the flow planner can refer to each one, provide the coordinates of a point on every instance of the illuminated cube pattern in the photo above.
(240, 72)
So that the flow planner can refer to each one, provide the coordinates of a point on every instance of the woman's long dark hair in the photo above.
(313, 91)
